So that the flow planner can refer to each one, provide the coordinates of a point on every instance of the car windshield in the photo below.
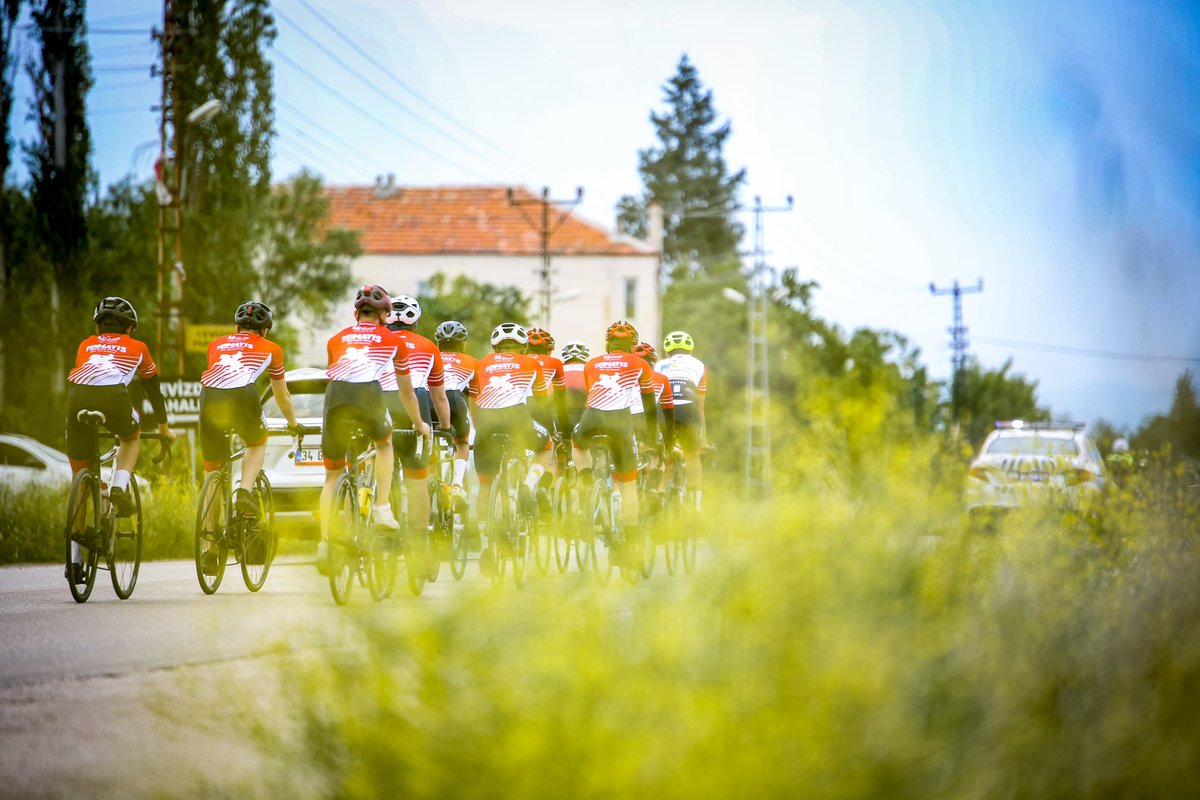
(1034, 444)
(310, 404)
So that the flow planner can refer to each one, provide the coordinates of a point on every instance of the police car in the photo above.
(1021, 463)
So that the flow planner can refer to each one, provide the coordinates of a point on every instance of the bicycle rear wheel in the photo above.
(417, 557)
(381, 565)
(442, 522)
(125, 548)
(562, 525)
(499, 520)
(343, 541)
(523, 538)
(458, 544)
(649, 552)
(212, 523)
(600, 535)
(83, 523)
(258, 539)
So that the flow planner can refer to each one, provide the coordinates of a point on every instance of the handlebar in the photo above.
(164, 450)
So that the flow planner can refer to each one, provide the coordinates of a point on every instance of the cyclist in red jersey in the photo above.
(541, 345)
(358, 357)
(611, 380)
(664, 399)
(451, 338)
(105, 364)
(575, 356)
(426, 369)
(504, 380)
(229, 397)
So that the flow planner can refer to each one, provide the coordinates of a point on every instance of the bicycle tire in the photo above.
(258, 540)
(212, 490)
(459, 545)
(343, 540)
(582, 529)
(601, 530)
(439, 514)
(562, 526)
(540, 540)
(498, 532)
(417, 555)
(82, 523)
(125, 551)
(649, 553)
(523, 538)
(381, 565)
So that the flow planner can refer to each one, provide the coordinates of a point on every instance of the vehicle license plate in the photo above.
(1036, 477)
(307, 456)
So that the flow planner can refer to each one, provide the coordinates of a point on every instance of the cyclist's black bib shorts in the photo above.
(687, 427)
(460, 416)
(618, 426)
(229, 409)
(113, 402)
(517, 422)
(348, 405)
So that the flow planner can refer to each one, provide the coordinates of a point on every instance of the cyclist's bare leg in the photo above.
(252, 464)
(483, 501)
(462, 452)
(693, 469)
(629, 502)
(583, 459)
(418, 502)
(384, 464)
(331, 476)
(127, 454)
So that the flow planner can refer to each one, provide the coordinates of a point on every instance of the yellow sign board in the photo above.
(197, 337)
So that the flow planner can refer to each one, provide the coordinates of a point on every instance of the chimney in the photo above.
(390, 187)
(654, 226)
(379, 186)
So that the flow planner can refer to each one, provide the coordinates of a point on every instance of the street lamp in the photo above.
(733, 295)
(206, 110)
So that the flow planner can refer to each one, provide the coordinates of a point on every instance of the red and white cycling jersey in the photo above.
(460, 369)
(503, 380)
(239, 359)
(614, 377)
(552, 371)
(363, 353)
(688, 376)
(573, 377)
(663, 396)
(111, 359)
(424, 363)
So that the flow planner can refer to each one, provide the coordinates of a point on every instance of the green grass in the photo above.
(858, 644)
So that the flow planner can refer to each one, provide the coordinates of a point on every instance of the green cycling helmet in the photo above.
(678, 340)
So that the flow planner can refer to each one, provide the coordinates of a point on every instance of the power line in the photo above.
(1080, 351)
(121, 110)
(403, 85)
(375, 88)
(350, 155)
(368, 115)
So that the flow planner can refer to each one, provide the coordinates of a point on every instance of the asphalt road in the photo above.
(138, 697)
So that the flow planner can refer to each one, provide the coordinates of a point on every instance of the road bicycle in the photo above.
(357, 550)
(569, 514)
(605, 535)
(681, 508)
(222, 529)
(511, 523)
(94, 533)
(414, 545)
(449, 536)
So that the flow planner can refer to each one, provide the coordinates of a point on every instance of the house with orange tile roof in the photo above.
(409, 234)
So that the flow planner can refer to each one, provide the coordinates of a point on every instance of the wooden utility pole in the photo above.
(546, 230)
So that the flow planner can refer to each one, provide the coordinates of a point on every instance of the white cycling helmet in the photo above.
(509, 332)
(450, 331)
(405, 310)
(1121, 445)
(678, 340)
(575, 351)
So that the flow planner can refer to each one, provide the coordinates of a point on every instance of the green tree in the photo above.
(479, 306)
(1179, 428)
(992, 395)
(9, 11)
(686, 173)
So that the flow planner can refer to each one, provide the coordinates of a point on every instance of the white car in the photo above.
(1025, 462)
(25, 461)
(296, 476)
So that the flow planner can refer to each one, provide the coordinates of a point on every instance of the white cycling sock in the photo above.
(533, 476)
(460, 471)
(121, 480)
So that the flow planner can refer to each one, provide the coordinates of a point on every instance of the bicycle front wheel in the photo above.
(343, 540)
(258, 540)
(125, 548)
(82, 531)
(212, 521)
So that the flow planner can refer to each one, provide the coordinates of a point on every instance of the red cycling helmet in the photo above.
(621, 331)
(540, 341)
(646, 351)
(372, 297)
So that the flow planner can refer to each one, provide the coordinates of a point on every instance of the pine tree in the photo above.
(687, 174)
(9, 11)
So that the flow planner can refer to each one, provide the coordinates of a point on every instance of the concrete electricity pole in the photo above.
(168, 183)
(958, 341)
(545, 230)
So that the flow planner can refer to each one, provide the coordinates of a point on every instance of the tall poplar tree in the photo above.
(686, 173)
(9, 11)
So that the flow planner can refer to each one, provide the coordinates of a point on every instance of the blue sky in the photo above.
(1051, 149)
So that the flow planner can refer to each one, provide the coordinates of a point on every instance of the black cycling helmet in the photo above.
(253, 314)
(118, 309)
(374, 297)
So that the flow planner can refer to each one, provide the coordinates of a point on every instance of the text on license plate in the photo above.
(306, 456)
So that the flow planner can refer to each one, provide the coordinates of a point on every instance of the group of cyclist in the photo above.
(385, 377)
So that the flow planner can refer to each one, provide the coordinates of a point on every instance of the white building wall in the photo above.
(601, 281)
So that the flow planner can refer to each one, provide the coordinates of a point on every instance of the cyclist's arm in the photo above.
(153, 388)
(283, 397)
(408, 399)
(669, 427)
(703, 424)
(560, 408)
(650, 411)
(441, 405)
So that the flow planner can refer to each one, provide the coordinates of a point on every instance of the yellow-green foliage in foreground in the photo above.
(830, 646)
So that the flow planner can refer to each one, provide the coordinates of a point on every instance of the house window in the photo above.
(424, 288)
(630, 298)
